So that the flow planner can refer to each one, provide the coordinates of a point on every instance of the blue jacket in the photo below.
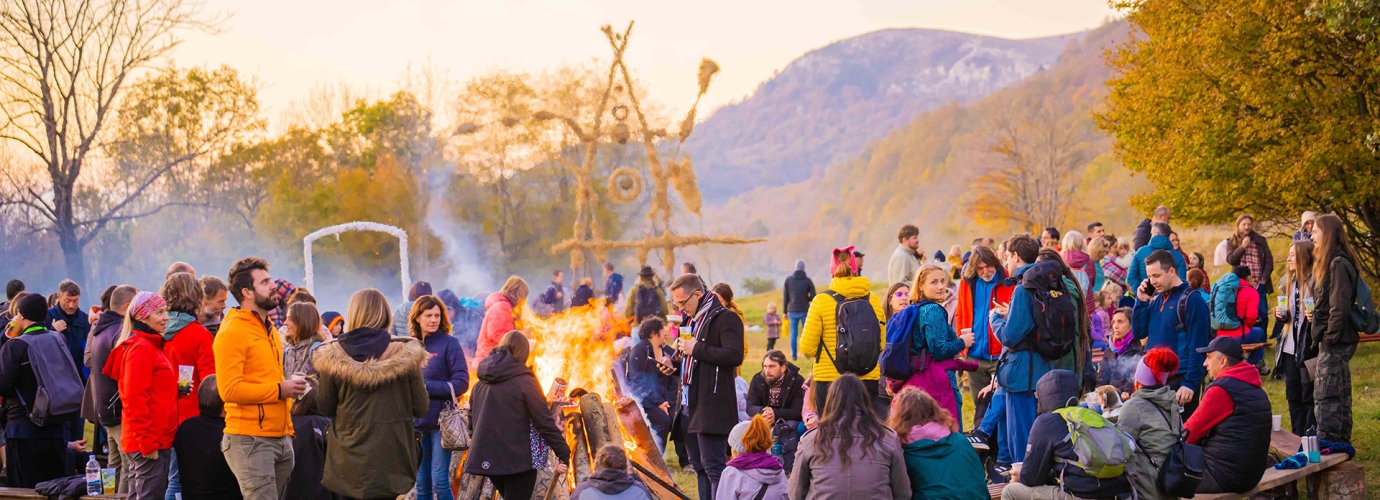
(1136, 273)
(646, 382)
(613, 287)
(1019, 370)
(77, 327)
(933, 329)
(447, 364)
(1159, 319)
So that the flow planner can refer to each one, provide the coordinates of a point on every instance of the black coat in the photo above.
(1332, 302)
(309, 448)
(505, 403)
(1267, 260)
(198, 452)
(648, 384)
(1142, 235)
(792, 395)
(714, 362)
(797, 293)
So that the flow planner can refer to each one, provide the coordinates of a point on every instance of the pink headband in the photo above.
(1146, 376)
(145, 304)
(852, 260)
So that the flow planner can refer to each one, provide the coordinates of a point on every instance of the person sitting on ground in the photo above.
(850, 453)
(611, 479)
(1050, 468)
(940, 462)
(1233, 422)
(1151, 418)
(777, 394)
(198, 449)
(753, 473)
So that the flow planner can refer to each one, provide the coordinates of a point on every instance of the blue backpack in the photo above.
(895, 360)
(1223, 306)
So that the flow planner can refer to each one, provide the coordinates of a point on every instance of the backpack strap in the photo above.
(838, 301)
(761, 492)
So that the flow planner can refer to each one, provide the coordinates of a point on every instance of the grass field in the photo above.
(1365, 370)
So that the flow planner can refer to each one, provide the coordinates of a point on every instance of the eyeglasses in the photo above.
(681, 303)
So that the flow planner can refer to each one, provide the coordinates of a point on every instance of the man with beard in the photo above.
(249, 364)
(778, 393)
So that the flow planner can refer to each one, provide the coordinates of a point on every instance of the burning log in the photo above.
(579, 459)
(635, 426)
(596, 422)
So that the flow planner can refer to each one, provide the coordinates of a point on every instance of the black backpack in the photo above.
(858, 342)
(1055, 312)
(647, 304)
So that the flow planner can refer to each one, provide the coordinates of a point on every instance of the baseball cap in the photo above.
(1227, 346)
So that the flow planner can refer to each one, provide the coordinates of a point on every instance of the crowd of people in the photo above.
(1056, 335)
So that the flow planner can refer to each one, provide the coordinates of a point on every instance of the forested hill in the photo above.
(830, 103)
(931, 171)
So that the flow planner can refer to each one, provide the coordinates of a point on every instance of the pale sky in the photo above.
(291, 46)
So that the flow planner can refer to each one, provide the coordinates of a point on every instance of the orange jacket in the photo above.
(963, 314)
(249, 366)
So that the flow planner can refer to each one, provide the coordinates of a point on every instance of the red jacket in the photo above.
(498, 321)
(148, 390)
(963, 313)
(1248, 309)
(191, 347)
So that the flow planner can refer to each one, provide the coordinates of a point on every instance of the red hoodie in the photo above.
(148, 390)
(1248, 309)
(191, 347)
(1217, 405)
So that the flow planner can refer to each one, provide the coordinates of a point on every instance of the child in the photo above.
(772, 320)
(1101, 319)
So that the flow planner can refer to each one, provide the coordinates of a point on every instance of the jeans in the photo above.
(709, 456)
(433, 479)
(978, 379)
(1298, 391)
(174, 477)
(1255, 336)
(797, 322)
(261, 464)
(994, 425)
(661, 426)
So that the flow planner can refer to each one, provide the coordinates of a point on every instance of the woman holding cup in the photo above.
(187, 345)
(149, 391)
(934, 337)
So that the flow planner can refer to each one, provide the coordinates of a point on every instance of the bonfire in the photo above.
(575, 359)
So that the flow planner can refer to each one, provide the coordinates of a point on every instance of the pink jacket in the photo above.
(498, 321)
(935, 380)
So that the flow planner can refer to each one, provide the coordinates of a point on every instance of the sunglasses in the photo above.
(902, 295)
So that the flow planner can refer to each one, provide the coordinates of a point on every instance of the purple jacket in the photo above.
(934, 379)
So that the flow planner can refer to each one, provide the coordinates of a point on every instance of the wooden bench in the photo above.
(1370, 337)
(28, 494)
(1334, 477)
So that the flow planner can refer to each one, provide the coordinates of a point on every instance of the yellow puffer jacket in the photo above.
(820, 326)
(249, 366)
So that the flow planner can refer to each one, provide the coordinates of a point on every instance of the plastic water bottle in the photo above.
(93, 476)
(776, 449)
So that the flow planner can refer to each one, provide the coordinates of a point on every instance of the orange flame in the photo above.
(575, 345)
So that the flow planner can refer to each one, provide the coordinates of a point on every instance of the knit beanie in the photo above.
(419, 289)
(1156, 367)
(34, 307)
(799, 265)
(735, 437)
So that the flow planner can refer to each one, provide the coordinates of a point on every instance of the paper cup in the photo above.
(1282, 301)
(108, 481)
(674, 318)
(1276, 423)
(184, 376)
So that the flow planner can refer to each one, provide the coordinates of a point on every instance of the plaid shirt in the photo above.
(1113, 271)
(282, 289)
(1251, 260)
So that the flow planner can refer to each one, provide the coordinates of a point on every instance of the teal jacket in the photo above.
(945, 469)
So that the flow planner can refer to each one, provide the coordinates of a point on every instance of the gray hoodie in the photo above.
(1143, 418)
(611, 484)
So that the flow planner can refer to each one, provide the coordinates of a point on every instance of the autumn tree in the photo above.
(64, 67)
(1263, 107)
(1040, 146)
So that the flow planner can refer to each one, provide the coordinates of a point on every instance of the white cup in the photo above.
(1276, 421)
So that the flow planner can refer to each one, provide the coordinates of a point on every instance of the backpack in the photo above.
(858, 341)
(1223, 303)
(647, 303)
(1363, 314)
(895, 359)
(1055, 311)
(1103, 449)
(60, 387)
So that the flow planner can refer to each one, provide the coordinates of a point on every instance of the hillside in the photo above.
(924, 173)
(826, 106)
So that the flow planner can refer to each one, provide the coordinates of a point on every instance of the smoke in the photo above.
(469, 273)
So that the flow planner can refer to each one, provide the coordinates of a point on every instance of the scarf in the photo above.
(177, 320)
(776, 391)
(709, 307)
(758, 460)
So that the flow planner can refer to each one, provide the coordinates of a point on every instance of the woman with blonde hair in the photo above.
(514, 428)
(446, 377)
(501, 312)
(148, 391)
(1293, 329)
(371, 388)
(940, 462)
(1085, 270)
(935, 346)
(753, 473)
(1097, 251)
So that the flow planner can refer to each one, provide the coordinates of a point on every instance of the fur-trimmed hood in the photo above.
(403, 355)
